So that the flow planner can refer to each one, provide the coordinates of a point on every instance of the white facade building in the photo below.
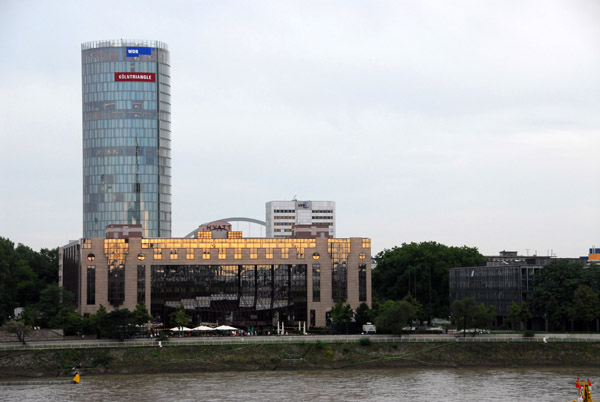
(295, 218)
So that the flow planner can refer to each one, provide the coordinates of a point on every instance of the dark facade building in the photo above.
(505, 278)
(126, 93)
(220, 278)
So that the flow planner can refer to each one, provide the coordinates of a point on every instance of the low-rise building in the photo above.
(218, 278)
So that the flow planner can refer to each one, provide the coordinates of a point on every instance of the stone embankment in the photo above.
(31, 363)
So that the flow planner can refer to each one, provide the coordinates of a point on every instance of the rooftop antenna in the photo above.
(294, 199)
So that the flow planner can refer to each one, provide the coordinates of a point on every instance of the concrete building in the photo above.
(300, 219)
(218, 278)
(126, 136)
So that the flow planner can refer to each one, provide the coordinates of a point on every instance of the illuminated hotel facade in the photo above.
(219, 277)
(126, 94)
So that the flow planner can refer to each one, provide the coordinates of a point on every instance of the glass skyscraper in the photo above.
(126, 136)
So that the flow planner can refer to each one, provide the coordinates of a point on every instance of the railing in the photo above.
(174, 342)
(123, 42)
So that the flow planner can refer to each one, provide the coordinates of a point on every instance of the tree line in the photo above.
(410, 285)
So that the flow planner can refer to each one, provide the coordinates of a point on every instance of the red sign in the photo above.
(144, 77)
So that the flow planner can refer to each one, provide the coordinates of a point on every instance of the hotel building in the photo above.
(219, 277)
(126, 136)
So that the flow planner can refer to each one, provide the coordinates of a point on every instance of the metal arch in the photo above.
(193, 234)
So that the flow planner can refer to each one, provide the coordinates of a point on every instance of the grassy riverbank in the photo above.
(51, 363)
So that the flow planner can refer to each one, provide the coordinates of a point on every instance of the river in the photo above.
(448, 385)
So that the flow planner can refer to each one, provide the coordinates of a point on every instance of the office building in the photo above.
(219, 277)
(126, 136)
(506, 278)
(300, 219)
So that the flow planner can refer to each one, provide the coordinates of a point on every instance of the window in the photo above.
(91, 284)
(362, 282)
(316, 282)
(91, 257)
(141, 283)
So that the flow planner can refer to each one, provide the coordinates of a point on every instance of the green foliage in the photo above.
(19, 328)
(141, 314)
(421, 270)
(52, 299)
(363, 314)
(484, 318)
(341, 313)
(528, 334)
(364, 342)
(119, 324)
(467, 314)
(585, 305)
(555, 287)
(179, 318)
(393, 316)
(519, 314)
(24, 273)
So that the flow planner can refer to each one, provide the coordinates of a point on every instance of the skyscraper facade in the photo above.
(126, 136)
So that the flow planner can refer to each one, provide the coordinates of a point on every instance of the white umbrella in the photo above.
(177, 329)
(225, 328)
(202, 328)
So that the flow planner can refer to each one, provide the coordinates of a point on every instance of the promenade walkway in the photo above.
(273, 339)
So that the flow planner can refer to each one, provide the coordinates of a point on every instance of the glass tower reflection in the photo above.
(126, 136)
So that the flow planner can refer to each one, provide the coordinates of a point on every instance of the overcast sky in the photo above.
(463, 122)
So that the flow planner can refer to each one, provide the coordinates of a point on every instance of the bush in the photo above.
(528, 334)
(364, 341)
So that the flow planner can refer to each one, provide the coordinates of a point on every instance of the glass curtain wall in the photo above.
(126, 136)
(230, 292)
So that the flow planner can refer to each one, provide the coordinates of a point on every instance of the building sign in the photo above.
(144, 77)
(138, 51)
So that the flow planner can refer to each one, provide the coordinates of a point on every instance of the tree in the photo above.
(525, 314)
(120, 324)
(52, 299)
(485, 316)
(464, 314)
(555, 287)
(585, 305)
(363, 314)
(179, 318)
(519, 314)
(341, 314)
(24, 273)
(394, 316)
(99, 321)
(141, 314)
(421, 270)
(19, 328)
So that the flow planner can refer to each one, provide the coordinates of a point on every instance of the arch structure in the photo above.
(193, 234)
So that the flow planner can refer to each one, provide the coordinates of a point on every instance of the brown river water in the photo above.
(321, 385)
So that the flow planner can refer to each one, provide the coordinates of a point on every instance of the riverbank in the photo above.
(26, 364)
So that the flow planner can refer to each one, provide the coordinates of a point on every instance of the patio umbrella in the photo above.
(182, 329)
(202, 328)
(225, 328)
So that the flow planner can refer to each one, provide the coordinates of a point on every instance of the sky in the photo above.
(468, 123)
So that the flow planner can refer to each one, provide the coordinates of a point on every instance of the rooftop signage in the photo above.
(138, 51)
(144, 77)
